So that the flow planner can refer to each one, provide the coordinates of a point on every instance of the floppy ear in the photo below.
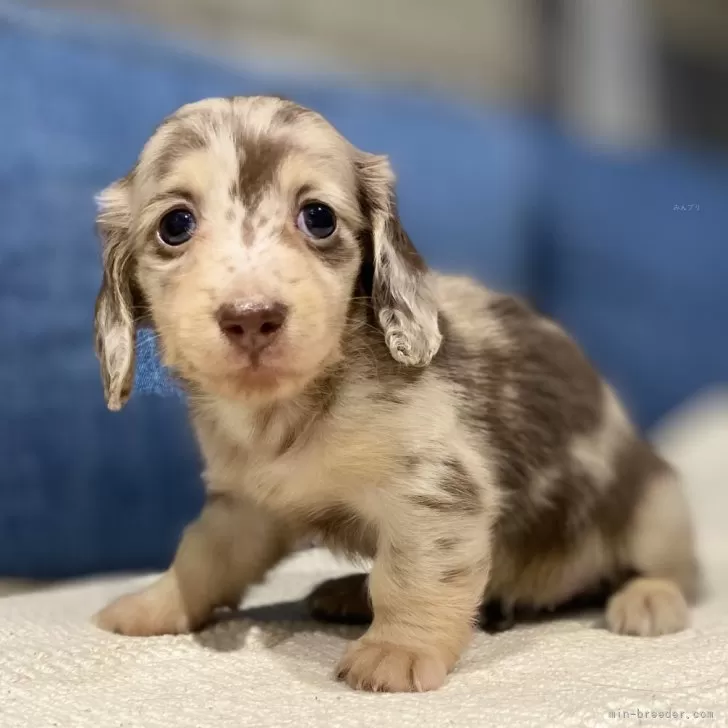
(115, 304)
(399, 285)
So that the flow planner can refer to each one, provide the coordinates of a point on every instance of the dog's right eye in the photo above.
(177, 226)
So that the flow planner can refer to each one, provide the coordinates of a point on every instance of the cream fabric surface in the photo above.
(270, 667)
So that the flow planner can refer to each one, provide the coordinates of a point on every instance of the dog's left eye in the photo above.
(316, 220)
(177, 226)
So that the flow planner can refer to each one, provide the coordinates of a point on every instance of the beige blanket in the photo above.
(271, 667)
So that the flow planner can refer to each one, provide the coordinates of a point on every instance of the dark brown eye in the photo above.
(316, 220)
(177, 226)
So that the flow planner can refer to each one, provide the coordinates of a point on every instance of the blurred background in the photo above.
(625, 70)
(571, 151)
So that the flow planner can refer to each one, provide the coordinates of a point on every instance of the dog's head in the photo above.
(241, 236)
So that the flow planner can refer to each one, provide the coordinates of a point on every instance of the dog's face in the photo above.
(240, 236)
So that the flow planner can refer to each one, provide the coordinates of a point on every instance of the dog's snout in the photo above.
(251, 326)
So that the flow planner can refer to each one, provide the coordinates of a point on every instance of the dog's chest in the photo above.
(298, 465)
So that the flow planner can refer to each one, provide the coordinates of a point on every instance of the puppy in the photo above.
(340, 389)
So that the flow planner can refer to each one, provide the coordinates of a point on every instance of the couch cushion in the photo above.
(268, 668)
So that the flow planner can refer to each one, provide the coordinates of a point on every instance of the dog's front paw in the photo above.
(157, 610)
(386, 667)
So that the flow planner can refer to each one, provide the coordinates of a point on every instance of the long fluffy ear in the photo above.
(399, 284)
(115, 304)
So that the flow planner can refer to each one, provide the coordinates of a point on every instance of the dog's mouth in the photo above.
(275, 372)
(261, 375)
(267, 376)
(260, 385)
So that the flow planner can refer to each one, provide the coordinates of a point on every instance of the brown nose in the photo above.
(251, 326)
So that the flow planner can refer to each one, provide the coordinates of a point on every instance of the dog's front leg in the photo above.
(425, 586)
(230, 546)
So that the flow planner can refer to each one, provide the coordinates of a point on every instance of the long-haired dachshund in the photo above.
(340, 389)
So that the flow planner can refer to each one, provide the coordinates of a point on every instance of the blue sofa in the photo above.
(593, 238)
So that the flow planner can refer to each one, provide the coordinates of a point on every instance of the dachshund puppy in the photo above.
(340, 389)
